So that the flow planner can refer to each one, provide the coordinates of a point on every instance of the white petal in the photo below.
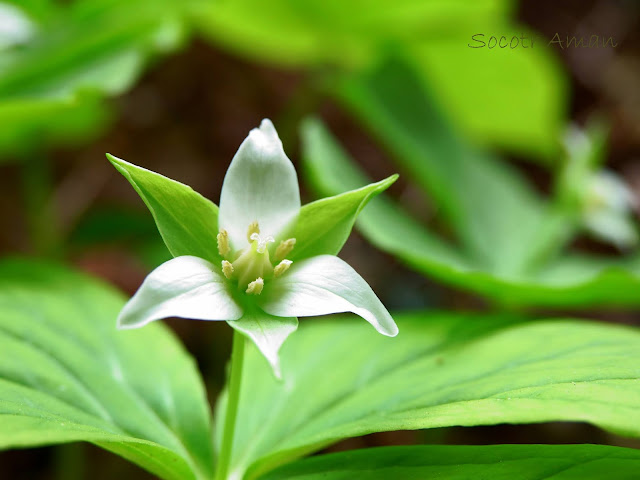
(187, 287)
(268, 333)
(261, 184)
(322, 285)
(616, 228)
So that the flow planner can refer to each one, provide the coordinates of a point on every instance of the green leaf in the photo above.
(67, 375)
(383, 222)
(570, 280)
(515, 99)
(524, 462)
(494, 212)
(441, 370)
(323, 226)
(187, 221)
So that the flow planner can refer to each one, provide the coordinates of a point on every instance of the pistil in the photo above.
(253, 265)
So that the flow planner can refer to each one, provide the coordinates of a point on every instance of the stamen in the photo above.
(284, 249)
(255, 287)
(227, 269)
(262, 241)
(223, 243)
(282, 267)
(253, 228)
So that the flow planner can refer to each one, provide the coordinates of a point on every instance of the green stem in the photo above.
(233, 397)
(70, 462)
(37, 184)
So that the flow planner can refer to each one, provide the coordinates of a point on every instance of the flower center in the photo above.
(262, 242)
(251, 266)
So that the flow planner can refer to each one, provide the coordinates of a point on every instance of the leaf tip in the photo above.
(390, 180)
(384, 184)
(112, 158)
(118, 163)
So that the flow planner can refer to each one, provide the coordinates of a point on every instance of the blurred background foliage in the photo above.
(60, 60)
(504, 199)
(480, 95)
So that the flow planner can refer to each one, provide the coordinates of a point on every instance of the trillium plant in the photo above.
(260, 261)
(267, 263)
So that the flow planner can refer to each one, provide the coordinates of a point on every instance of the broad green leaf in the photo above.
(323, 226)
(513, 98)
(497, 462)
(570, 280)
(342, 379)
(492, 209)
(187, 221)
(67, 375)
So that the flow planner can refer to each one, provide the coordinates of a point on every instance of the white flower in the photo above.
(608, 209)
(255, 287)
(605, 202)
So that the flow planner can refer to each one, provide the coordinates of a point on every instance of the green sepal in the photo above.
(187, 221)
(323, 226)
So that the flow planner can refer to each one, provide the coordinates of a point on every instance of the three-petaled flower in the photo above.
(256, 287)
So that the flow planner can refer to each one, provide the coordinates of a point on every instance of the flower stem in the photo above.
(42, 219)
(233, 397)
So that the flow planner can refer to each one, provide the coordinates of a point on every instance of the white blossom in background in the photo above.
(15, 26)
(608, 210)
(606, 203)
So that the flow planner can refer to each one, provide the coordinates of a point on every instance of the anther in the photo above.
(282, 267)
(253, 228)
(284, 249)
(223, 243)
(227, 269)
(255, 287)
(261, 241)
